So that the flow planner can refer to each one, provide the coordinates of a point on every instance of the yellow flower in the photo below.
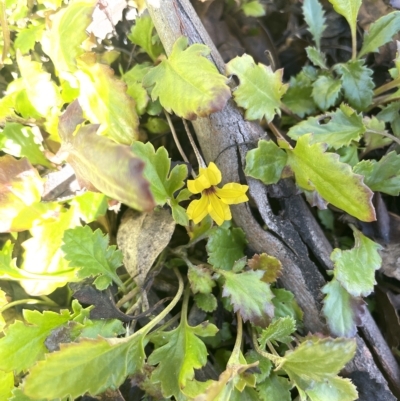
(214, 201)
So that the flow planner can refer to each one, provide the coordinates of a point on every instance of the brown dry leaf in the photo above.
(141, 238)
(271, 265)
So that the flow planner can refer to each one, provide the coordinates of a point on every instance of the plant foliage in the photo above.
(163, 292)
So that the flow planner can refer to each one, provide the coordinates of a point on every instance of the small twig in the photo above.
(177, 143)
(194, 146)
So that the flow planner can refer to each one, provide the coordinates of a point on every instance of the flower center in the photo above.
(209, 191)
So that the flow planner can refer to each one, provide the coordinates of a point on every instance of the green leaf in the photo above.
(163, 181)
(317, 359)
(316, 57)
(27, 37)
(90, 205)
(315, 19)
(142, 35)
(372, 139)
(344, 127)
(253, 9)
(298, 98)
(62, 43)
(333, 389)
(180, 87)
(19, 141)
(383, 175)
(274, 388)
(42, 92)
(21, 188)
(355, 268)
(206, 302)
(279, 330)
(133, 79)
(260, 89)
(343, 312)
(23, 344)
(334, 181)
(258, 309)
(8, 266)
(103, 165)
(380, 32)
(225, 246)
(266, 162)
(349, 9)
(6, 384)
(104, 101)
(89, 251)
(200, 279)
(156, 125)
(326, 91)
(182, 352)
(43, 255)
(264, 365)
(286, 305)
(61, 373)
(357, 83)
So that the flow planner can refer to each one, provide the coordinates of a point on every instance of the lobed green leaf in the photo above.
(142, 35)
(315, 18)
(182, 352)
(383, 175)
(181, 88)
(355, 268)
(225, 246)
(61, 373)
(260, 89)
(319, 358)
(266, 162)
(343, 313)
(163, 181)
(344, 127)
(88, 251)
(333, 180)
(23, 344)
(380, 32)
(258, 309)
(326, 92)
(279, 330)
(357, 83)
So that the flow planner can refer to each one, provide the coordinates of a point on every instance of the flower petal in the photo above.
(198, 209)
(199, 184)
(218, 210)
(212, 173)
(232, 193)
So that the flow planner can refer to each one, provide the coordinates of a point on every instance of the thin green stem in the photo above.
(386, 87)
(29, 301)
(238, 343)
(144, 330)
(392, 137)
(273, 358)
(354, 44)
